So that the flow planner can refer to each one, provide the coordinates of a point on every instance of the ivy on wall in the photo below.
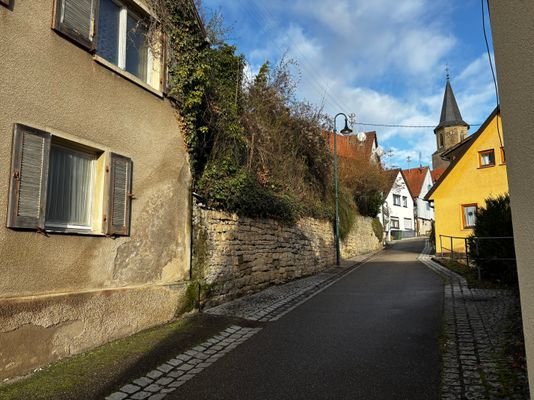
(254, 149)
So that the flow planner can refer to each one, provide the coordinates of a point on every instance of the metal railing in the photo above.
(469, 248)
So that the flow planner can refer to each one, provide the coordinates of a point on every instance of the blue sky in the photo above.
(383, 60)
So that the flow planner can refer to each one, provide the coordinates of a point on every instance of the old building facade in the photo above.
(95, 243)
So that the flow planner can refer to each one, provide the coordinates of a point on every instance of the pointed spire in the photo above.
(450, 113)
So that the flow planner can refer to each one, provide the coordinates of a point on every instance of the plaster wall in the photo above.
(399, 188)
(49, 83)
(513, 35)
(424, 211)
(468, 183)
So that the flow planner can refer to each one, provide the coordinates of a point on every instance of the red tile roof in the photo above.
(350, 147)
(414, 178)
(436, 174)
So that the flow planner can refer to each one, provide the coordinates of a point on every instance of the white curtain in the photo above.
(69, 187)
(470, 215)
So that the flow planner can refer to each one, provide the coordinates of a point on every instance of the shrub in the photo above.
(494, 220)
(378, 229)
(347, 213)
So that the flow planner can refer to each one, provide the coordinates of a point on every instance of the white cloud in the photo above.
(384, 60)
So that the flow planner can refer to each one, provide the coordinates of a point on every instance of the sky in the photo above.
(383, 60)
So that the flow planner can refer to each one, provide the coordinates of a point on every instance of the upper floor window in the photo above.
(404, 201)
(122, 39)
(395, 223)
(408, 224)
(120, 36)
(486, 158)
(441, 143)
(503, 156)
(396, 200)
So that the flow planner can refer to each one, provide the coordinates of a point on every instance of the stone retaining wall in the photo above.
(235, 256)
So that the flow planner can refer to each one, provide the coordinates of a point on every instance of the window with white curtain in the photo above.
(122, 39)
(469, 214)
(70, 188)
(60, 185)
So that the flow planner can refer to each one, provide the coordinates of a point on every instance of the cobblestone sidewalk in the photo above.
(268, 305)
(474, 361)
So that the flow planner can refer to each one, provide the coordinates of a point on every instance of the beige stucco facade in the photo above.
(513, 35)
(63, 293)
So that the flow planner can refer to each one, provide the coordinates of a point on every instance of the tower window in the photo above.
(441, 140)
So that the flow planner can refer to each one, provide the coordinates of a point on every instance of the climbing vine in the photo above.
(253, 148)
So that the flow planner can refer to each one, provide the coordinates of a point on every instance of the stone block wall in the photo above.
(236, 256)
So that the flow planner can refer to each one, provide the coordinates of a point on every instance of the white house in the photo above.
(397, 213)
(419, 181)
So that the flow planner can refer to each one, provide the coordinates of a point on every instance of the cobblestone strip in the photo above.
(169, 376)
(273, 303)
(475, 321)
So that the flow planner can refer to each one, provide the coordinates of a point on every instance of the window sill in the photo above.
(72, 231)
(132, 78)
(486, 166)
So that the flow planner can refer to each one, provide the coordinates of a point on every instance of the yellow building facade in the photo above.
(477, 171)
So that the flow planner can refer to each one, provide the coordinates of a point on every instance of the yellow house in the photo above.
(477, 171)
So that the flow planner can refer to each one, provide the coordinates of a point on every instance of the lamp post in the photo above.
(346, 130)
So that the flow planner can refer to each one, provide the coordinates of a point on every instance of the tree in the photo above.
(494, 257)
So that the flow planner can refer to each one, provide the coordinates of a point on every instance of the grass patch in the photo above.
(470, 274)
(97, 373)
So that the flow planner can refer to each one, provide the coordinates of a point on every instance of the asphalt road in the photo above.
(371, 335)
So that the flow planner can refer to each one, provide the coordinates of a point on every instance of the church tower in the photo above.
(452, 129)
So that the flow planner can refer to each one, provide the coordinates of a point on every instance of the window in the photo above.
(503, 156)
(404, 201)
(469, 215)
(62, 186)
(396, 200)
(486, 158)
(71, 179)
(408, 224)
(441, 140)
(120, 38)
(394, 223)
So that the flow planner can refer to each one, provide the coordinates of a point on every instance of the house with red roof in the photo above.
(397, 212)
(357, 146)
(419, 181)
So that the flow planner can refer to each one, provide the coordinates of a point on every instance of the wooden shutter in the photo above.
(76, 19)
(120, 195)
(29, 178)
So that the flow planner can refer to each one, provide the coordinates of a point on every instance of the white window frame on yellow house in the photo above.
(481, 158)
(463, 209)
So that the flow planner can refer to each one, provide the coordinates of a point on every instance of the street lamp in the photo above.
(345, 131)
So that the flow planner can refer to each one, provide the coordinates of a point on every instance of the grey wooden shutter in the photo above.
(120, 195)
(76, 19)
(29, 178)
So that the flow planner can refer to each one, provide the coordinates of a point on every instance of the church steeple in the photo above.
(451, 130)
(450, 113)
